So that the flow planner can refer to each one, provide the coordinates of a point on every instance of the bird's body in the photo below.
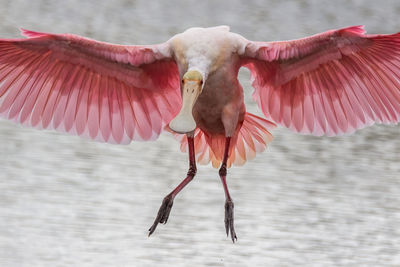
(328, 84)
(214, 52)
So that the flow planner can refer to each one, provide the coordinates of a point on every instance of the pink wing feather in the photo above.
(328, 84)
(111, 93)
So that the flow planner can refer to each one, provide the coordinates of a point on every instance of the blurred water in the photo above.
(306, 201)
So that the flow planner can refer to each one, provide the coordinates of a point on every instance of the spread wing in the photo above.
(328, 84)
(112, 93)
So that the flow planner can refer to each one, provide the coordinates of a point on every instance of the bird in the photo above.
(327, 84)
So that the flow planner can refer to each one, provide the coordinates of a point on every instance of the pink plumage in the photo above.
(330, 83)
(251, 136)
(327, 84)
(88, 88)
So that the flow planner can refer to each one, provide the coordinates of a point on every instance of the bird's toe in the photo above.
(163, 213)
(229, 221)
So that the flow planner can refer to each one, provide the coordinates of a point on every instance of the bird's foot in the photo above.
(230, 229)
(163, 213)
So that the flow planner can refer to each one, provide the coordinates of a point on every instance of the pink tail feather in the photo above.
(251, 136)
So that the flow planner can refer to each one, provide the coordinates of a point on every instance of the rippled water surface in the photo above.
(306, 201)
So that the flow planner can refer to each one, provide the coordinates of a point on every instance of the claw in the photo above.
(163, 213)
(229, 227)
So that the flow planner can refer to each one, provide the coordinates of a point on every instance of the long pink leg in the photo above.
(165, 209)
(229, 227)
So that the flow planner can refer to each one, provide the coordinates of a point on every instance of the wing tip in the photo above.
(31, 34)
(357, 29)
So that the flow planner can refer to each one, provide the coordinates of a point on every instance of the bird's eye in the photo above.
(183, 81)
(201, 82)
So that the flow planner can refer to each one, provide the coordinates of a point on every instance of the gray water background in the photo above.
(306, 201)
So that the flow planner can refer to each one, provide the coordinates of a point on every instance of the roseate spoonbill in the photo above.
(327, 84)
